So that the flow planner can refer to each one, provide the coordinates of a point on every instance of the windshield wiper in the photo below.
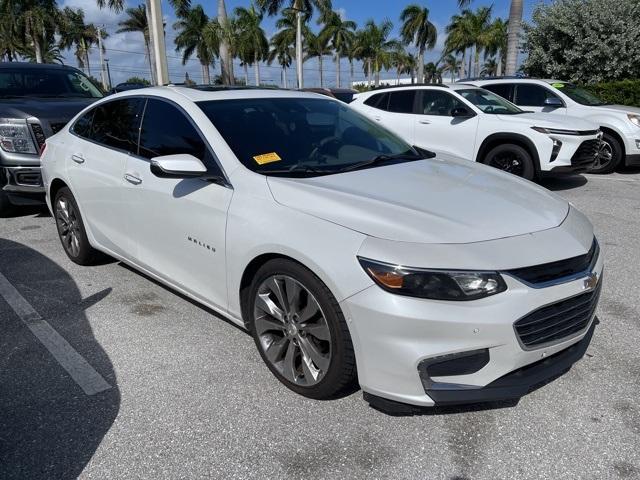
(382, 159)
(297, 168)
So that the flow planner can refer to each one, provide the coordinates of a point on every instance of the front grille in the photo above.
(556, 271)
(38, 133)
(56, 127)
(559, 320)
(586, 153)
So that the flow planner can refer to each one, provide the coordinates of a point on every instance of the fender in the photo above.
(507, 137)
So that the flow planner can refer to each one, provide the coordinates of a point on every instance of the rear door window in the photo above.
(82, 127)
(380, 101)
(402, 101)
(505, 90)
(529, 95)
(116, 124)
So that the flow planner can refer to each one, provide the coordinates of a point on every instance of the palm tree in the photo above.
(303, 10)
(318, 46)
(136, 21)
(515, 24)
(283, 51)
(480, 25)
(490, 68)
(418, 29)
(190, 39)
(496, 43)
(285, 37)
(74, 32)
(353, 52)
(252, 37)
(37, 20)
(50, 53)
(115, 5)
(11, 33)
(378, 47)
(342, 35)
(451, 65)
(459, 38)
(403, 62)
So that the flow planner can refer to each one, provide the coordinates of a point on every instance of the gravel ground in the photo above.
(190, 397)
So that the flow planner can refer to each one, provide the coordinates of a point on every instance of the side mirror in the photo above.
(182, 165)
(553, 102)
(462, 112)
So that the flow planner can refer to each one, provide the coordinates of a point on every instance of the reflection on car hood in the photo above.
(60, 109)
(551, 120)
(427, 201)
(618, 109)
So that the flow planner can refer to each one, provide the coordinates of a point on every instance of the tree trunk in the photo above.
(284, 77)
(38, 51)
(226, 62)
(477, 62)
(513, 37)
(421, 66)
(350, 73)
(377, 73)
(320, 68)
(257, 69)
(207, 77)
(470, 60)
(462, 73)
(337, 70)
(86, 56)
(299, 56)
(413, 76)
(246, 74)
(499, 67)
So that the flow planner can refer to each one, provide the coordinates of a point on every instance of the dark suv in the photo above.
(36, 101)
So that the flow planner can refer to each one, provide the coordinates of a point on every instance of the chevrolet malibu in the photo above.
(349, 255)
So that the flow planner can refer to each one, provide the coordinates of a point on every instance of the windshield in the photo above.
(43, 82)
(489, 102)
(303, 136)
(578, 94)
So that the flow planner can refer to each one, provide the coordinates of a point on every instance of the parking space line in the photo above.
(76, 366)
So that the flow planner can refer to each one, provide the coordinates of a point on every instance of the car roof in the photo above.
(511, 80)
(29, 65)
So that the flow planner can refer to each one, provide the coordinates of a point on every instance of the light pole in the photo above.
(156, 32)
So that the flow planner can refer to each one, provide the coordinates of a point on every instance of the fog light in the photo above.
(557, 145)
(638, 144)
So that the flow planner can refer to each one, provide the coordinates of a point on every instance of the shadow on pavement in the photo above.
(564, 182)
(49, 428)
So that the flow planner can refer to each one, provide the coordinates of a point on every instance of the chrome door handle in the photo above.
(132, 179)
(425, 122)
(77, 158)
(377, 119)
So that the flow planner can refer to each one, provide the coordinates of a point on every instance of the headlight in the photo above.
(453, 285)
(15, 137)
(557, 131)
(635, 119)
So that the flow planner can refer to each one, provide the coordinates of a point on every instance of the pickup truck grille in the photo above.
(559, 320)
(586, 153)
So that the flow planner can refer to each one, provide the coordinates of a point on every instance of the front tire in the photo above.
(513, 159)
(6, 208)
(300, 330)
(609, 155)
(71, 230)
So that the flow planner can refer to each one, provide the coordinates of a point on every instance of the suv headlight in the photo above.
(15, 137)
(453, 285)
(556, 131)
(635, 119)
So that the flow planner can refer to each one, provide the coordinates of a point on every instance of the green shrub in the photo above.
(624, 92)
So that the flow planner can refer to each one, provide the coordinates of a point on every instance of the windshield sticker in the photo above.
(267, 158)
(557, 85)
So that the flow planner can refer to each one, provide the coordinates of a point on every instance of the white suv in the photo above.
(620, 124)
(475, 124)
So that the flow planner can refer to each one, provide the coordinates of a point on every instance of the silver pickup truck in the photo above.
(36, 101)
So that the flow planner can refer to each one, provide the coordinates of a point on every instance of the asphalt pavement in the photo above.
(186, 395)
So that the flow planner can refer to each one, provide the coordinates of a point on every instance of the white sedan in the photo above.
(348, 254)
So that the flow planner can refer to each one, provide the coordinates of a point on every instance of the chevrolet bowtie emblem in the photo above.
(590, 282)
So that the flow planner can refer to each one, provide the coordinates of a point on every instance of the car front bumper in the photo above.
(23, 184)
(394, 335)
(577, 154)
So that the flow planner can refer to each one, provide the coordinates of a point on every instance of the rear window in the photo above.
(379, 100)
(505, 90)
(43, 82)
(401, 101)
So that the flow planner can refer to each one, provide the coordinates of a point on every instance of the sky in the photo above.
(125, 51)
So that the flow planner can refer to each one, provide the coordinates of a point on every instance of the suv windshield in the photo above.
(303, 136)
(44, 82)
(489, 102)
(578, 94)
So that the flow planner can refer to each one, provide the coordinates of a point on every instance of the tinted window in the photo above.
(166, 131)
(401, 101)
(505, 90)
(300, 136)
(529, 95)
(489, 102)
(82, 127)
(378, 101)
(436, 102)
(45, 82)
(116, 124)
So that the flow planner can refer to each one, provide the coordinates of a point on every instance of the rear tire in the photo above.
(609, 155)
(71, 230)
(300, 330)
(6, 208)
(513, 159)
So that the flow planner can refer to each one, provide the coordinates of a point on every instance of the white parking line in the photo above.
(76, 366)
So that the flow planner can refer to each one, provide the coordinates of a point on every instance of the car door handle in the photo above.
(377, 119)
(77, 158)
(132, 179)
(425, 122)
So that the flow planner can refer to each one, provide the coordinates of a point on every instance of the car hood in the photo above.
(55, 112)
(428, 201)
(618, 109)
(550, 120)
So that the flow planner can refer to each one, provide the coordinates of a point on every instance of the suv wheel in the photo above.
(513, 159)
(300, 331)
(609, 155)
(71, 231)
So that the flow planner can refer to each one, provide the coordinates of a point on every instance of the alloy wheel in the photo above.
(68, 226)
(508, 162)
(292, 329)
(604, 156)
